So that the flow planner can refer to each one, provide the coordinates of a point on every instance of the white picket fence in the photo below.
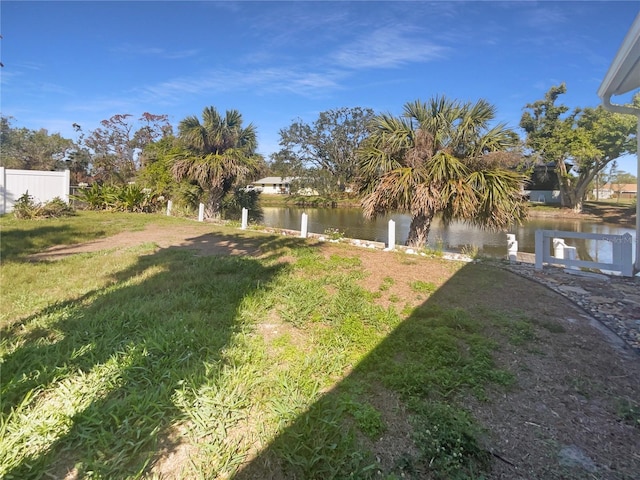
(621, 251)
(42, 186)
(563, 254)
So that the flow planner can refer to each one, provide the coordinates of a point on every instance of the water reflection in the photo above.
(454, 237)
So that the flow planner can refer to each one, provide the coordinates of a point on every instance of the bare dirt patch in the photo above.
(196, 237)
(565, 415)
(623, 215)
(563, 418)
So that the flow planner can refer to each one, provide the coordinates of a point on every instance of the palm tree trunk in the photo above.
(419, 231)
(213, 204)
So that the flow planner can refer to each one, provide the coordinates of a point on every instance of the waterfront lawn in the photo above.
(302, 361)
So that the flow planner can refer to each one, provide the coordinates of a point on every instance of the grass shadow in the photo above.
(398, 413)
(18, 241)
(100, 378)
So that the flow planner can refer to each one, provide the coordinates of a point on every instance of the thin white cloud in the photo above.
(105, 105)
(25, 66)
(17, 87)
(267, 80)
(287, 23)
(387, 48)
(12, 73)
(545, 16)
(145, 51)
(48, 87)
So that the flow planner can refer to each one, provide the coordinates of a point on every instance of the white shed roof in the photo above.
(624, 72)
(274, 180)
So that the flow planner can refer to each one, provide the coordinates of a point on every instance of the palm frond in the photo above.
(375, 162)
(434, 158)
(498, 138)
(211, 118)
(499, 201)
(181, 166)
(192, 133)
(392, 192)
(444, 166)
(248, 138)
(480, 114)
(233, 119)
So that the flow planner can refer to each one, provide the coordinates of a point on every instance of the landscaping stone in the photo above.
(573, 456)
(570, 289)
(612, 300)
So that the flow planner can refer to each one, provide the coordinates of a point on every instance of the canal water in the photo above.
(452, 237)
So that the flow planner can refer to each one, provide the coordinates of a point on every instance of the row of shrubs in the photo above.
(129, 198)
(27, 208)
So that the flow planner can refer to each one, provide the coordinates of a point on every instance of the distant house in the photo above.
(603, 192)
(618, 190)
(543, 185)
(270, 185)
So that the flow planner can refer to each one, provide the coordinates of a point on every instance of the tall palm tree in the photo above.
(217, 153)
(441, 157)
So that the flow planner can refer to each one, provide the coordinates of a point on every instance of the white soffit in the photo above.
(624, 72)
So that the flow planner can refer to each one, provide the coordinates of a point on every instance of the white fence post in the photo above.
(169, 206)
(571, 253)
(558, 247)
(512, 247)
(3, 191)
(303, 226)
(201, 213)
(539, 249)
(245, 218)
(392, 235)
(565, 252)
(625, 249)
(567, 255)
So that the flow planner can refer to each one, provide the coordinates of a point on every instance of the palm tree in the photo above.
(441, 157)
(217, 154)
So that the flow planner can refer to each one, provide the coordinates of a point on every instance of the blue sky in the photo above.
(276, 62)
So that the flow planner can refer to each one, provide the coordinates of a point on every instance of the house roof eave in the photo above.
(623, 75)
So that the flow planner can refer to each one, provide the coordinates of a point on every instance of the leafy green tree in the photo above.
(618, 179)
(315, 182)
(156, 173)
(115, 147)
(330, 144)
(624, 178)
(441, 157)
(27, 149)
(157, 160)
(285, 163)
(218, 154)
(241, 198)
(580, 143)
(77, 162)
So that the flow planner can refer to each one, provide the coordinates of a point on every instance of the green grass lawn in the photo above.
(112, 359)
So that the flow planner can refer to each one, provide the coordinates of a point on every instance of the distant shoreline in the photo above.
(623, 214)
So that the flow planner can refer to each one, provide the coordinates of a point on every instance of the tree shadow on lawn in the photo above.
(404, 410)
(96, 384)
(391, 415)
(18, 242)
